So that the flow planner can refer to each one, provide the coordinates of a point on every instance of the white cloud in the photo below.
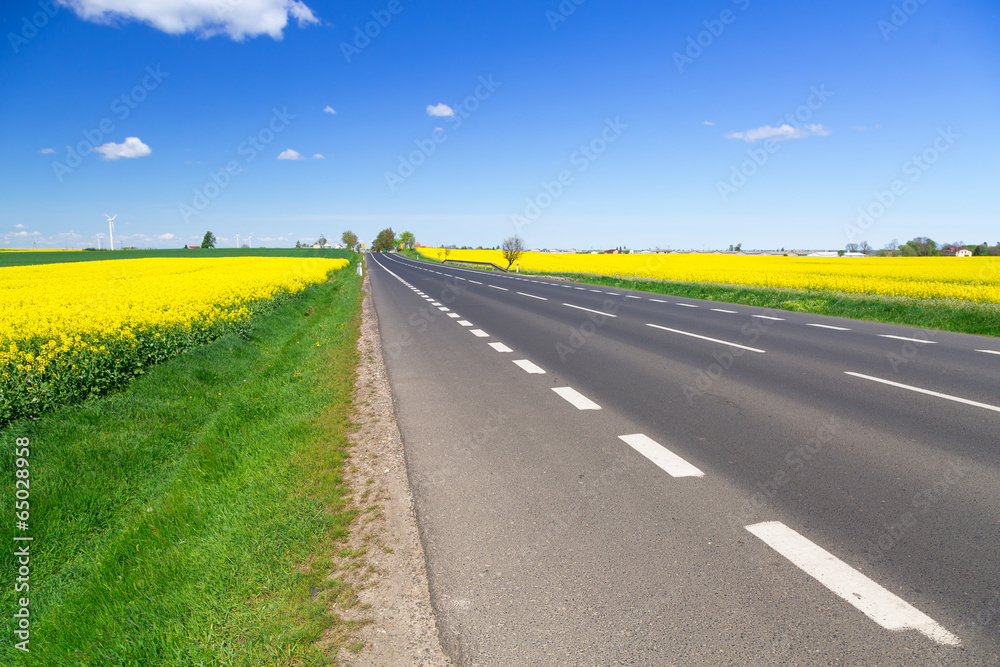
(236, 18)
(20, 226)
(707, 122)
(781, 133)
(439, 109)
(166, 237)
(25, 234)
(318, 156)
(329, 109)
(47, 151)
(131, 147)
(289, 154)
(862, 128)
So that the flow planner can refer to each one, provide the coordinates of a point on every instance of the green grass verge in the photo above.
(14, 258)
(185, 520)
(942, 314)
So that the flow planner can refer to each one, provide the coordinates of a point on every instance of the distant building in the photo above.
(963, 252)
(194, 247)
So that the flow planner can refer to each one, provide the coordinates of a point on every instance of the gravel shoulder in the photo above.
(393, 599)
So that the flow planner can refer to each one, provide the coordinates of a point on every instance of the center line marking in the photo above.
(589, 310)
(714, 340)
(912, 340)
(479, 333)
(529, 367)
(500, 347)
(495, 287)
(579, 401)
(826, 326)
(874, 601)
(672, 464)
(723, 310)
(474, 281)
(949, 397)
(465, 323)
(768, 317)
(540, 298)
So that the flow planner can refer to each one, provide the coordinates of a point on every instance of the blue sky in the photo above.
(584, 124)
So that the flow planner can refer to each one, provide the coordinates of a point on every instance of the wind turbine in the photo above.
(99, 237)
(251, 240)
(111, 228)
(237, 240)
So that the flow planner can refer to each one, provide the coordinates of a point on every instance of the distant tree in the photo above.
(298, 244)
(907, 250)
(513, 247)
(208, 241)
(349, 239)
(852, 247)
(980, 250)
(322, 239)
(841, 253)
(865, 248)
(407, 240)
(892, 245)
(739, 246)
(385, 241)
(923, 246)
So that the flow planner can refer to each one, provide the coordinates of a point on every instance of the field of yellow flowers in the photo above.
(975, 279)
(73, 330)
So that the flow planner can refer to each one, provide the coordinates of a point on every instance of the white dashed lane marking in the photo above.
(874, 601)
(465, 323)
(500, 347)
(688, 305)
(659, 301)
(540, 298)
(589, 310)
(911, 340)
(989, 351)
(948, 397)
(529, 367)
(713, 340)
(826, 326)
(495, 287)
(578, 400)
(768, 317)
(723, 310)
(453, 315)
(672, 464)
(479, 333)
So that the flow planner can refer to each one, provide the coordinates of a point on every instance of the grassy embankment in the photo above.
(184, 520)
(940, 314)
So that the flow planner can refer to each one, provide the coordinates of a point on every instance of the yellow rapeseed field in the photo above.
(975, 279)
(77, 329)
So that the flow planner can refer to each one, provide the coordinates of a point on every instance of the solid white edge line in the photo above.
(479, 333)
(826, 326)
(912, 340)
(885, 608)
(714, 340)
(540, 298)
(949, 397)
(589, 310)
(495, 287)
(578, 400)
(500, 347)
(529, 367)
(669, 462)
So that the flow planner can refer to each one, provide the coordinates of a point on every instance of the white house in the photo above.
(963, 252)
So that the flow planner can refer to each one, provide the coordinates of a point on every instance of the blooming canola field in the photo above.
(72, 330)
(975, 279)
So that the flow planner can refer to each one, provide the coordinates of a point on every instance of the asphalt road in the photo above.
(611, 477)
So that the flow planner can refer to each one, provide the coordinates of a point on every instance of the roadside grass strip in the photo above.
(191, 519)
(874, 601)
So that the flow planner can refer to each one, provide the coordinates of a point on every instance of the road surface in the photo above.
(612, 477)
